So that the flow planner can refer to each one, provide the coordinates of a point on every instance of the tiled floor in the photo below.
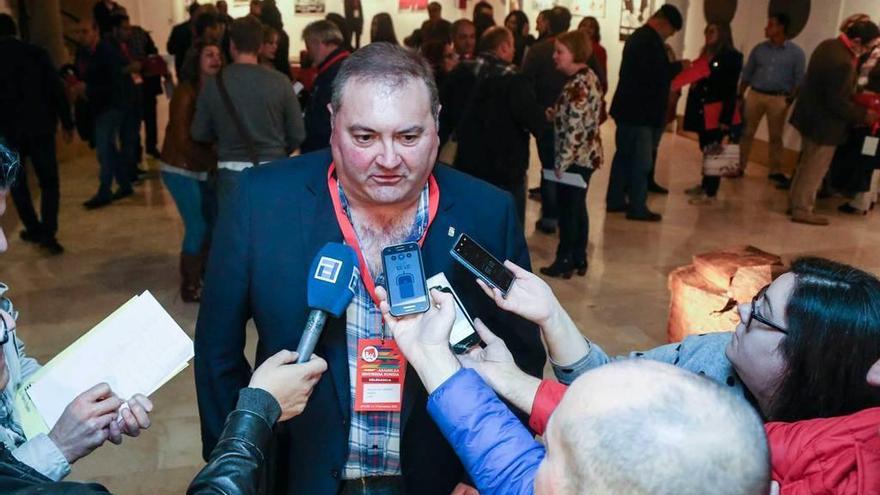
(622, 303)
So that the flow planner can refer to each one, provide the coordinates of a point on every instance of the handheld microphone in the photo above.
(333, 279)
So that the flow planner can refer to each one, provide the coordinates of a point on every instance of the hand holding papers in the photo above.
(135, 350)
(568, 178)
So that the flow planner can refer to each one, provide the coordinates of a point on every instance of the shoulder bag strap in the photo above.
(236, 119)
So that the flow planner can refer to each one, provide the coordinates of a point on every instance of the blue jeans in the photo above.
(628, 184)
(190, 197)
(108, 130)
(547, 156)
(227, 183)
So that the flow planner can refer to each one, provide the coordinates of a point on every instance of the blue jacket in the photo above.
(499, 453)
(264, 242)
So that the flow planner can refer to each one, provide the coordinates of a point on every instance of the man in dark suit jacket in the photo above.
(639, 110)
(384, 147)
(824, 113)
(181, 39)
(324, 42)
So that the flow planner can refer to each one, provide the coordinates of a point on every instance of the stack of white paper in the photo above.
(136, 350)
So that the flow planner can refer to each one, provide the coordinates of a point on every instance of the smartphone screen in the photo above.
(405, 279)
(482, 263)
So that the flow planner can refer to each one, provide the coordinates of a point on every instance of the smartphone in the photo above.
(405, 279)
(482, 264)
(464, 333)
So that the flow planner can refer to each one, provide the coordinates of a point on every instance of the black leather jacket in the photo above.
(235, 467)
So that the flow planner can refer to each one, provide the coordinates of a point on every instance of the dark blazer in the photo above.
(539, 66)
(317, 117)
(493, 134)
(720, 86)
(179, 41)
(258, 268)
(31, 92)
(645, 78)
(825, 110)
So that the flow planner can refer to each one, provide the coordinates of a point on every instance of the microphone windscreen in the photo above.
(333, 278)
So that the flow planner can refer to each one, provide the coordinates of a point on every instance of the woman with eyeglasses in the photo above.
(802, 349)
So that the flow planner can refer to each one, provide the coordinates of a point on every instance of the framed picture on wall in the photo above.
(309, 6)
(633, 13)
(595, 8)
(412, 5)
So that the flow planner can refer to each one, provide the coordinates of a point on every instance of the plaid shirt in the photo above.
(374, 437)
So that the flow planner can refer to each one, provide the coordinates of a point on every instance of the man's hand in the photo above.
(424, 338)
(134, 418)
(464, 489)
(529, 297)
(289, 383)
(495, 364)
(686, 64)
(84, 425)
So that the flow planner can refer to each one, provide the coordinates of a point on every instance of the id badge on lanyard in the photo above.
(381, 367)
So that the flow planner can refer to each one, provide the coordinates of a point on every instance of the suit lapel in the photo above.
(319, 226)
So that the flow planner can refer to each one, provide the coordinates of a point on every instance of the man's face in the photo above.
(434, 13)
(542, 25)
(773, 29)
(384, 141)
(488, 11)
(506, 51)
(222, 7)
(318, 50)
(465, 40)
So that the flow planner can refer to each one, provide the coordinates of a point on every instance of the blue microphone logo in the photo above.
(328, 269)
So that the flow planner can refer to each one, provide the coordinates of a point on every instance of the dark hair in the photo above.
(521, 20)
(193, 9)
(205, 21)
(866, 31)
(671, 14)
(435, 6)
(247, 34)
(482, 4)
(271, 16)
(191, 70)
(482, 23)
(389, 64)
(457, 25)
(493, 38)
(434, 51)
(783, 19)
(725, 39)
(9, 165)
(597, 36)
(7, 25)
(559, 19)
(384, 29)
(833, 319)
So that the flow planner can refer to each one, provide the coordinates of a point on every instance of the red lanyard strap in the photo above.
(350, 236)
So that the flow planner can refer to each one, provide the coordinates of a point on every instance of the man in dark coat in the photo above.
(324, 43)
(33, 101)
(639, 110)
(181, 38)
(501, 111)
(825, 111)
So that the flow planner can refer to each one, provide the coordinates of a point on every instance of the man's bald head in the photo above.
(643, 427)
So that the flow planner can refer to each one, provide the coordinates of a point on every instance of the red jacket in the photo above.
(826, 456)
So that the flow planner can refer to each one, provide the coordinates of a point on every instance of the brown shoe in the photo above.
(809, 219)
(191, 277)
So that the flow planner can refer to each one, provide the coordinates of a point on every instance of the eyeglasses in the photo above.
(5, 331)
(754, 315)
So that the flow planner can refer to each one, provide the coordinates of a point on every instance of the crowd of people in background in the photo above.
(796, 372)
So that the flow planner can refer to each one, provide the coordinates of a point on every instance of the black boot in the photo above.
(581, 267)
(560, 268)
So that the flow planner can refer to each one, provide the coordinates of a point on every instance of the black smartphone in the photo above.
(482, 264)
(464, 334)
(405, 279)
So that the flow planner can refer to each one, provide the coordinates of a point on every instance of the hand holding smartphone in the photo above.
(482, 264)
(464, 334)
(405, 279)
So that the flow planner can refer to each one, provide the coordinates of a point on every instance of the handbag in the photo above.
(721, 160)
(236, 119)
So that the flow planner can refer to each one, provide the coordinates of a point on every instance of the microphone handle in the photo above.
(311, 334)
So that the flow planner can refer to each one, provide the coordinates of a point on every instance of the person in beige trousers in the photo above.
(773, 72)
(825, 111)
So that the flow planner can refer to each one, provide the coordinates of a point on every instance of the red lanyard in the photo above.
(350, 235)
(329, 63)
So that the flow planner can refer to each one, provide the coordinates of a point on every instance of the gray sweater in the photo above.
(268, 107)
(702, 354)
